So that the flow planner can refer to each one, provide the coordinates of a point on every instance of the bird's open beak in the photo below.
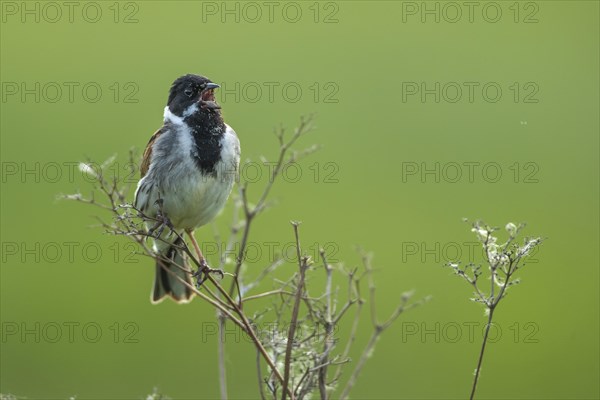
(207, 98)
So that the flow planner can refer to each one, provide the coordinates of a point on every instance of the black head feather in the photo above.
(189, 90)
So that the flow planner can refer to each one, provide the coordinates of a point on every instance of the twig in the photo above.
(328, 344)
(261, 388)
(353, 287)
(274, 293)
(480, 360)
(221, 355)
(303, 266)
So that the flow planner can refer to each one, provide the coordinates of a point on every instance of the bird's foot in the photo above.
(201, 275)
(162, 222)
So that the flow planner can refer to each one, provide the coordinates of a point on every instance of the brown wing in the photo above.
(148, 153)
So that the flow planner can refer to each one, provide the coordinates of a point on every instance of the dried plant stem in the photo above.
(249, 215)
(259, 376)
(328, 344)
(491, 306)
(221, 354)
(303, 266)
(485, 337)
(355, 323)
(220, 317)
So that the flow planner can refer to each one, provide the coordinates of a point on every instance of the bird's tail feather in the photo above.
(171, 273)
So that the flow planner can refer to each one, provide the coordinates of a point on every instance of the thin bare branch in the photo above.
(303, 266)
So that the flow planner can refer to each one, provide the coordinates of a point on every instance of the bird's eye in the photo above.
(189, 92)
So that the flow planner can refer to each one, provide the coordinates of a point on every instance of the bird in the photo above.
(188, 170)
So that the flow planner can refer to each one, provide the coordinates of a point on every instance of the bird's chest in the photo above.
(196, 176)
(183, 158)
(206, 152)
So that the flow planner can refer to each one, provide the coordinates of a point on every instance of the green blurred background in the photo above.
(354, 62)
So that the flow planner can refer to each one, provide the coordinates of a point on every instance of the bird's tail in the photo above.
(171, 273)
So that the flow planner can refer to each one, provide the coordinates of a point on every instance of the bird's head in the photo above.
(190, 94)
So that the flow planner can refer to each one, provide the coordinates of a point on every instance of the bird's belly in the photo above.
(195, 201)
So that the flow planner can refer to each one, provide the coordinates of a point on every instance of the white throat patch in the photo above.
(172, 118)
(168, 116)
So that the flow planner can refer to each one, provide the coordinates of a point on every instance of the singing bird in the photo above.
(188, 170)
